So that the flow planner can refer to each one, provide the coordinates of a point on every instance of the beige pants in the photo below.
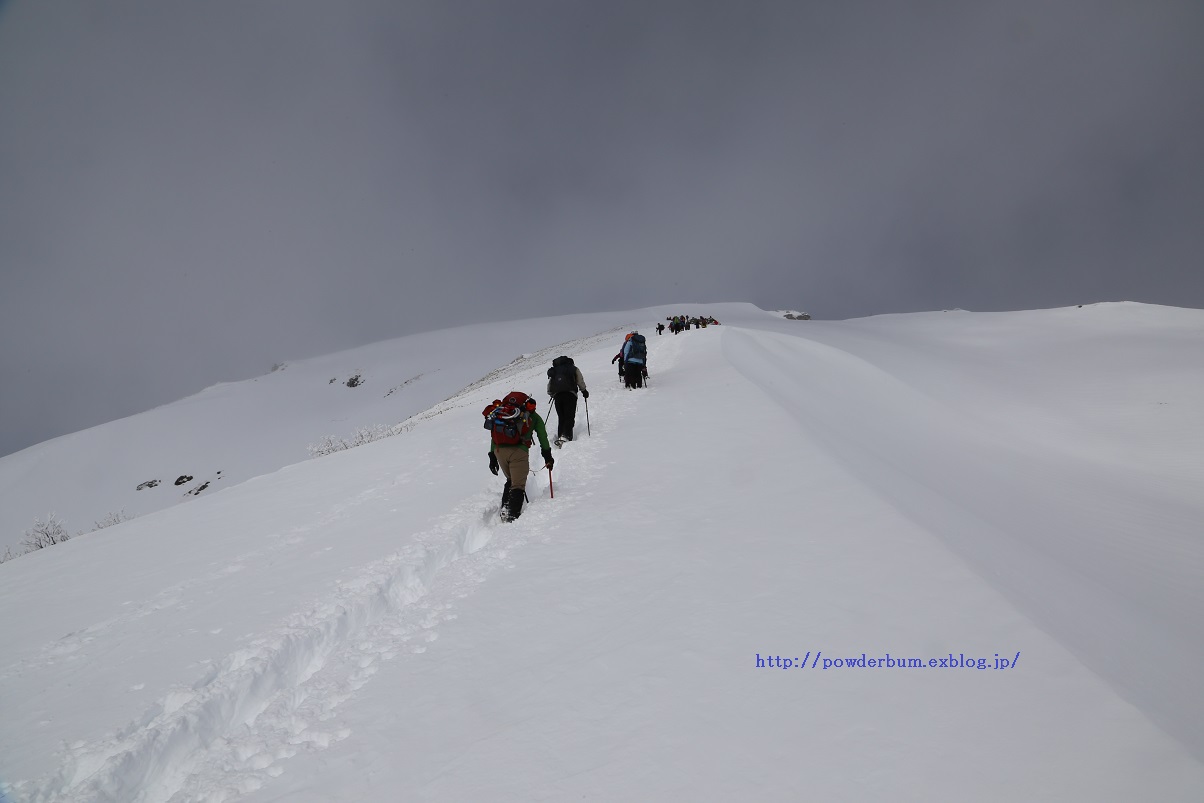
(515, 462)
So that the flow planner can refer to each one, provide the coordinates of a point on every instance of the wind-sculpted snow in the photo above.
(1105, 558)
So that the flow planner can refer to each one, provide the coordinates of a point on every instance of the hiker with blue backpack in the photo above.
(635, 360)
(513, 423)
(621, 355)
(564, 380)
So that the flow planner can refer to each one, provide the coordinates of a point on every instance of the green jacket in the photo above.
(539, 429)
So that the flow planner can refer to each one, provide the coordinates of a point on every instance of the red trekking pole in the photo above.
(551, 492)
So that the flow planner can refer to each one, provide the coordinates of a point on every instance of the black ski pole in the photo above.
(587, 432)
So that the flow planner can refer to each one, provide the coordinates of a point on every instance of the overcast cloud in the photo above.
(191, 192)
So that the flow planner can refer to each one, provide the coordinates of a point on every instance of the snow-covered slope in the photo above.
(231, 432)
(1017, 489)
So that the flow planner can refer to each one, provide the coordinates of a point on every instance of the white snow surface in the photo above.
(234, 431)
(361, 627)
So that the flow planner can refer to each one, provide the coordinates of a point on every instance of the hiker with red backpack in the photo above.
(564, 380)
(512, 422)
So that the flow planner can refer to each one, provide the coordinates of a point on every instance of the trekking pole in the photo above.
(587, 432)
(551, 492)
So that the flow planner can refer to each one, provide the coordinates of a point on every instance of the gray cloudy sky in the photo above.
(190, 192)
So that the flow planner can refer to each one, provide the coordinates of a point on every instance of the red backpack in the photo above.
(509, 420)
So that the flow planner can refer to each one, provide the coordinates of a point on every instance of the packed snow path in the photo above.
(852, 491)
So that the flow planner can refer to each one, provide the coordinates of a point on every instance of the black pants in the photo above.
(566, 414)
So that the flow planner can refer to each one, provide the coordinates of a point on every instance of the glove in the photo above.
(493, 463)
(584, 393)
(548, 462)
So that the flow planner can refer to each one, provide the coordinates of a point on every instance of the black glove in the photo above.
(584, 393)
(548, 462)
(493, 463)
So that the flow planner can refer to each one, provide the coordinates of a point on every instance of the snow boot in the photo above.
(504, 510)
(516, 505)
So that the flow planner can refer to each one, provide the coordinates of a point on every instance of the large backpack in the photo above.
(509, 420)
(638, 351)
(563, 376)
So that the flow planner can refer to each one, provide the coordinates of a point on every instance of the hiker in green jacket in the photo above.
(512, 423)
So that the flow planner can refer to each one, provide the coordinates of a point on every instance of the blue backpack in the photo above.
(637, 350)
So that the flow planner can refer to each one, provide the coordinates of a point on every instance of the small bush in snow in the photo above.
(109, 519)
(45, 533)
(8, 555)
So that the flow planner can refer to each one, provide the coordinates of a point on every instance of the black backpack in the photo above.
(563, 376)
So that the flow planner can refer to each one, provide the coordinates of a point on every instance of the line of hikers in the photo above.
(513, 423)
(680, 323)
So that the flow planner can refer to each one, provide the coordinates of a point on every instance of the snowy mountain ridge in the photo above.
(232, 431)
(932, 487)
